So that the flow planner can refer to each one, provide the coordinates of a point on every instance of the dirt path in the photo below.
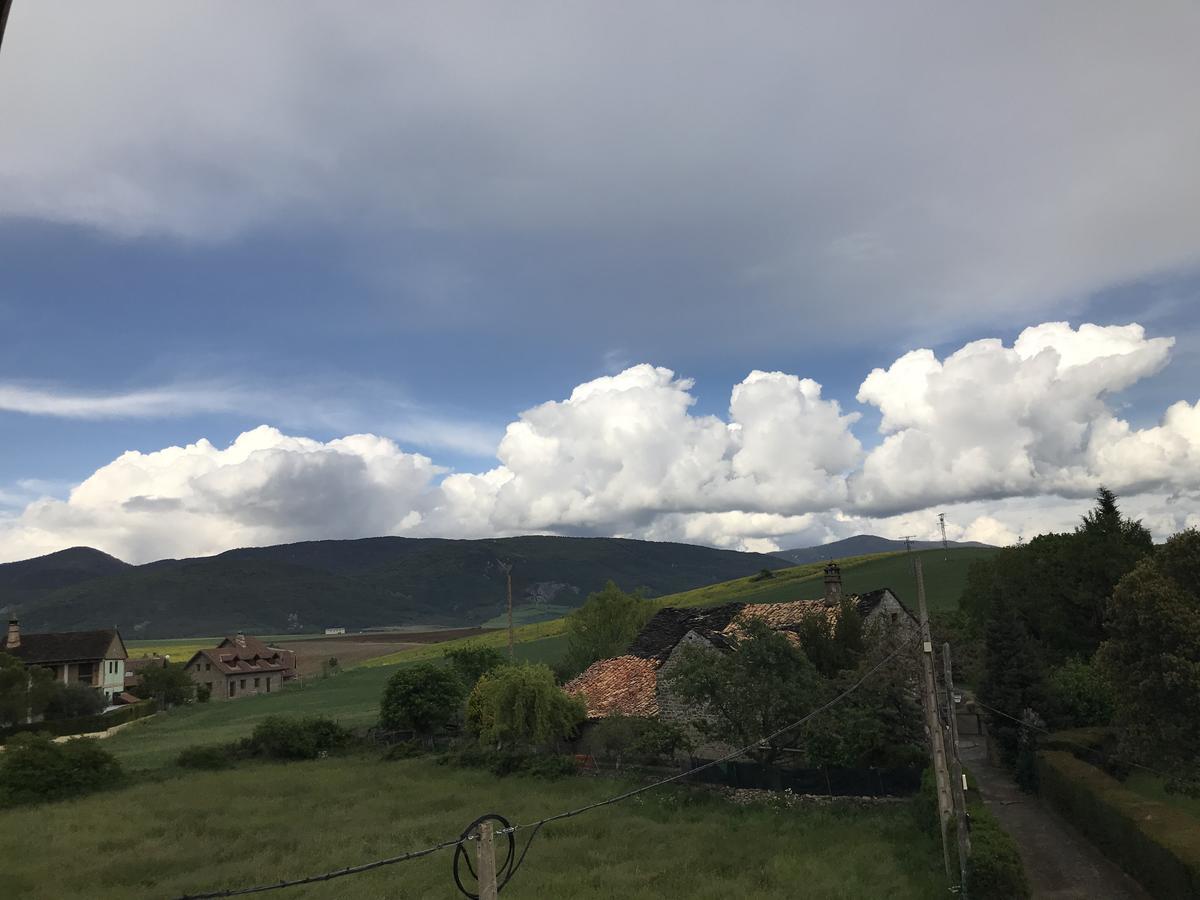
(1059, 861)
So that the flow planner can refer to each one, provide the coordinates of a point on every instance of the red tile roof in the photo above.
(624, 685)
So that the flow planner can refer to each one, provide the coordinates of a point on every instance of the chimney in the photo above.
(833, 584)
(240, 639)
(13, 640)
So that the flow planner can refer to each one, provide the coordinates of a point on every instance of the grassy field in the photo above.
(265, 822)
(523, 615)
(352, 698)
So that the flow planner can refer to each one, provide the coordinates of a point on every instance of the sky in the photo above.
(755, 276)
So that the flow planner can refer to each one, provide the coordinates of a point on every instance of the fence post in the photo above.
(485, 863)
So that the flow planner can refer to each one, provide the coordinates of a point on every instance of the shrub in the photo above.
(505, 762)
(279, 737)
(211, 757)
(169, 684)
(995, 871)
(423, 698)
(85, 725)
(521, 707)
(404, 750)
(1153, 841)
(203, 693)
(637, 739)
(74, 701)
(1078, 694)
(35, 769)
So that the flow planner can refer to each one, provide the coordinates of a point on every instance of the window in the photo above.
(207, 667)
(232, 688)
(268, 685)
(243, 684)
(256, 683)
(895, 617)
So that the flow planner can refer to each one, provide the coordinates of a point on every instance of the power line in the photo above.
(329, 876)
(470, 833)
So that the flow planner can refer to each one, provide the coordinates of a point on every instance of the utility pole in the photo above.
(5, 6)
(507, 567)
(958, 780)
(908, 539)
(485, 863)
(942, 526)
(936, 744)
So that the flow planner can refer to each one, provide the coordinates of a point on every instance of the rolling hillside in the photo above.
(372, 582)
(945, 578)
(862, 544)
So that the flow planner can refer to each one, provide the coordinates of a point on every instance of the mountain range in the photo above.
(371, 582)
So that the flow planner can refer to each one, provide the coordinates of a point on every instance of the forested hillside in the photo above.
(362, 583)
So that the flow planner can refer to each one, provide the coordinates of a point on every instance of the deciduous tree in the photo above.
(604, 626)
(423, 698)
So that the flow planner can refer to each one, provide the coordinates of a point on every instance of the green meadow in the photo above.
(264, 822)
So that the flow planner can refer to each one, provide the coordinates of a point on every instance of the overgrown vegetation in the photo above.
(34, 769)
(169, 685)
(669, 843)
(472, 661)
(521, 707)
(632, 739)
(995, 871)
(1152, 659)
(423, 698)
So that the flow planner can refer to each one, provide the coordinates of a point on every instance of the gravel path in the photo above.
(1060, 863)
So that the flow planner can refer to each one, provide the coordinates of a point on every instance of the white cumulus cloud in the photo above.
(1007, 440)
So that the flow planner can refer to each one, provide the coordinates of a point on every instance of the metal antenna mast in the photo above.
(942, 526)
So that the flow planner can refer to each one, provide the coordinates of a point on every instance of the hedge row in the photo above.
(1154, 842)
(85, 724)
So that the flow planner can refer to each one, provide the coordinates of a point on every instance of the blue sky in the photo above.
(421, 224)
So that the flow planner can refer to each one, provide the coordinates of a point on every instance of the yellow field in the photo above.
(180, 650)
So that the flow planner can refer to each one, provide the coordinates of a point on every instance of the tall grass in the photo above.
(266, 822)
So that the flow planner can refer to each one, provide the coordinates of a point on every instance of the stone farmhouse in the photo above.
(240, 666)
(634, 684)
(94, 658)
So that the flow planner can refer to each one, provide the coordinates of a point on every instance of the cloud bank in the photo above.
(860, 157)
(1009, 440)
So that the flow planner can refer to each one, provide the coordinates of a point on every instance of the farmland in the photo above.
(168, 837)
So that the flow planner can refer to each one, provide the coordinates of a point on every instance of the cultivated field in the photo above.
(264, 822)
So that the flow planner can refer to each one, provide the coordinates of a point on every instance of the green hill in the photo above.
(373, 582)
(945, 577)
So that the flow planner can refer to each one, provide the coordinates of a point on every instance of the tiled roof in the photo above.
(624, 685)
(782, 615)
(230, 663)
(66, 646)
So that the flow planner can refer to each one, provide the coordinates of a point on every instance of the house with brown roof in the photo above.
(634, 684)
(94, 658)
(240, 666)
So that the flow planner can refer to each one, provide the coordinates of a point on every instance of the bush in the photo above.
(74, 701)
(640, 740)
(34, 769)
(501, 762)
(169, 684)
(404, 750)
(279, 737)
(995, 871)
(423, 698)
(210, 757)
(520, 707)
(1154, 842)
(1078, 694)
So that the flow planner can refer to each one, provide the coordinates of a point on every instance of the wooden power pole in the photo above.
(958, 781)
(507, 567)
(936, 745)
(485, 863)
